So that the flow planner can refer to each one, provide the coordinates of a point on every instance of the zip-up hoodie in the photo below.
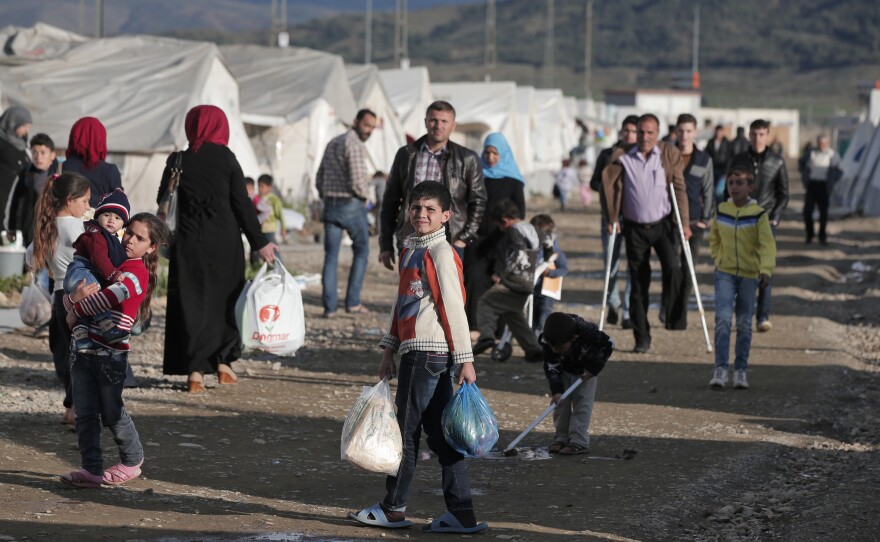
(741, 240)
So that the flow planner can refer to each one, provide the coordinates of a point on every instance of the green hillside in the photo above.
(808, 54)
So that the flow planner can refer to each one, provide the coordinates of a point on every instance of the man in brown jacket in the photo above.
(636, 185)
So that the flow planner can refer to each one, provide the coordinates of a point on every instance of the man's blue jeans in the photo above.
(424, 387)
(733, 294)
(764, 293)
(347, 214)
(97, 381)
(614, 299)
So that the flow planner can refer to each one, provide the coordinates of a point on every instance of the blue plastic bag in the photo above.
(469, 425)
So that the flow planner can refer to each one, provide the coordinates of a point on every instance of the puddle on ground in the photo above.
(268, 537)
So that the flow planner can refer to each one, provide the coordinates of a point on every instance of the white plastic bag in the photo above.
(371, 436)
(36, 305)
(269, 312)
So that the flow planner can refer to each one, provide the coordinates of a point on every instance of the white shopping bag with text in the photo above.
(270, 314)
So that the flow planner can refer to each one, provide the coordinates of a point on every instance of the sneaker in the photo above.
(613, 315)
(719, 378)
(642, 347)
(740, 382)
(765, 326)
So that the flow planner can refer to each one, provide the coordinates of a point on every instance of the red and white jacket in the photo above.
(122, 299)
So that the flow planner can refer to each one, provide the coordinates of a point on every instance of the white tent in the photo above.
(369, 93)
(525, 112)
(481, 108)
(410, 92)
(140, 88)
(23, 45)
(294, 101)
(859, 188)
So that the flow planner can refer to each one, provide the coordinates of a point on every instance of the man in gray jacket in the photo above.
(433, 158)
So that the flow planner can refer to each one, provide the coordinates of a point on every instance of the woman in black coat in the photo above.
(207, 257)
(503, 182)
(14, 126)
(86, 152)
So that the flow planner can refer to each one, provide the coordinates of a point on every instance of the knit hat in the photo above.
(114, 202)
(559, 328)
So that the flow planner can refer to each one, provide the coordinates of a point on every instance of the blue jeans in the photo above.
(764, 294)
(733, 294)
(542, 307)
(614, 299)
(347, 214)
(97, 395)
(81, 269)
(424, 387)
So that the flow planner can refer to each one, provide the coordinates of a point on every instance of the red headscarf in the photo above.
(206, 124)
(88, 140)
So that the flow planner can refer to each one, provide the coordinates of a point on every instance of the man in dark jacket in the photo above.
(771, 193)
(618, 307)
(433, 158)
(740, 144)
(720, 151)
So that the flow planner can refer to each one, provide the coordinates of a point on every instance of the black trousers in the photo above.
(640, 239)
(817, 194)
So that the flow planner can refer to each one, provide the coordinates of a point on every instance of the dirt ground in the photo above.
(793, 458)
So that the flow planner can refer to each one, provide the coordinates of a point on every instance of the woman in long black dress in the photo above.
(207, 257)
(86, 151)
(503, 182)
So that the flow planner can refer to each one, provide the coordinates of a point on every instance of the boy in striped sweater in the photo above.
(744, 251)
(429, 330)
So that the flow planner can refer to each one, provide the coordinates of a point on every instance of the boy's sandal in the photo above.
(556, 446)
(374, 516)
(82, 478)
(119, 474)
(448, 523)
(574, 449)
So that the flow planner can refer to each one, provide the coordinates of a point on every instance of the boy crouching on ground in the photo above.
(573, 349)
(429, 330)
(744, 251)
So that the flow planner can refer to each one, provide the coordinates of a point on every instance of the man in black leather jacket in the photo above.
(771, 193)
(433, 158)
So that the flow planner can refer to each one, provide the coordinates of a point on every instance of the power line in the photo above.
(549, 45)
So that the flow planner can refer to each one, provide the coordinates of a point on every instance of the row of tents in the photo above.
(283, 104)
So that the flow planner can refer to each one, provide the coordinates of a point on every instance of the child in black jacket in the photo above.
(573, 349)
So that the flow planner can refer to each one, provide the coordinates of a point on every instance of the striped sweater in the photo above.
(741, 240)
(122, 299)
(428, 315)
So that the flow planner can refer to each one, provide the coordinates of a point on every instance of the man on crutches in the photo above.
(635, 185)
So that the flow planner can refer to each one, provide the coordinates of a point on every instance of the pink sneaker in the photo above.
(119, 474)
(82, 478)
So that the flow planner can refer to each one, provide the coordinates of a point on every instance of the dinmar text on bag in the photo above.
(266, 338)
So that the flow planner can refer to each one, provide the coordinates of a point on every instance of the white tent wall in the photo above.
(388, 137)
(410, 92)
(786, 121)
(874, 106)
(525, 124)
(552, 138)
(867, 181)
(844, 196)
(481, 108)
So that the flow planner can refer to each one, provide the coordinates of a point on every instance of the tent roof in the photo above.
(408, 90)
(39, 42)
(138, 86)
(281, 85)
(492, 104)
(361, 78)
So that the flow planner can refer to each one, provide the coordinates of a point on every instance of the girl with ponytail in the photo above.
(59, 221)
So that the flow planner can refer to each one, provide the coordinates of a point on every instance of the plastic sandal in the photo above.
(448, 523)
(119, 474)
(374, 516)
(556, 446)
(574, 449)
(82, 478)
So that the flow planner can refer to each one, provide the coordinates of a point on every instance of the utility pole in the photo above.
(588, 50)
(695, 63)
(99, 16)
(278, 35)
(549, 45)
(82, 17)
(401, 35)
(490, 57)
(368, 34)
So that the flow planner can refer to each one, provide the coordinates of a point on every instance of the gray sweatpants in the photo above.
(572, 416)
(500, 302)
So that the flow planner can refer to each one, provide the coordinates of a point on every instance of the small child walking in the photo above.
(573, 349)
(97, 374)
(96, 260)
(543, 305)
(744, 251)
(429, 330)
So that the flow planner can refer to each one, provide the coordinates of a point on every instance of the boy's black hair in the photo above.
(630, 119)
(543, 222)
(505, 209)
(559, 328)
(742, 169)
(249, 180)
(265, 178)
(44, 140)
(432, 190)
(363, 113)
(759, 124)
(686, 118)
